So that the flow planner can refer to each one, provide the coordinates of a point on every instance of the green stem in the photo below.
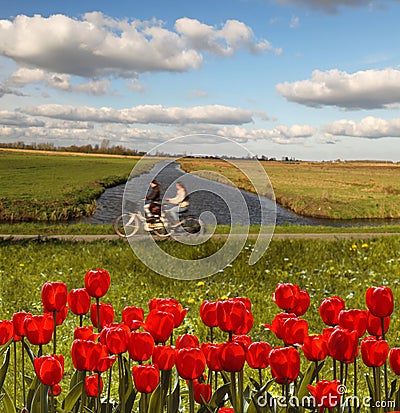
(83, 398)
(109, 389)
(240, 392)
(385, 364)
(233, 390)
(121, 387)
(334, 368)
(98, 393)
(355, 378)
(211, 334)
(23, 371)
(191, 396)
(316, 371)
(98, 315)
(15, 372)
(260, 379)
(81, 320)
(55, 333)
(287, 396)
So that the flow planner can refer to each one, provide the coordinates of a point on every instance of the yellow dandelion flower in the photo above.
(200, 283)
(365, 245)
(190, 301)
(22, 264)
(224, 297)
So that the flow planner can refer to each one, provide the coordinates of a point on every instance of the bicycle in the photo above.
(128, 224)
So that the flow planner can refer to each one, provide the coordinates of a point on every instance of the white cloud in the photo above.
(98, 46)
(294, 22)
(11, 118)
(199, 93)
(24, 76)
(369, 89)
(147, 114)
(369, 127)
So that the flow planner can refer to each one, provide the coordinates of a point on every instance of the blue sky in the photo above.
(310, 79)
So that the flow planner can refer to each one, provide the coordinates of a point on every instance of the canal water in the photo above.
(215, 202)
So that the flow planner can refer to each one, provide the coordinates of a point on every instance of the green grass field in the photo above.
(345, 190)
(54, 187)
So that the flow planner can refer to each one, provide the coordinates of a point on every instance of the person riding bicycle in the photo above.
(153, 200)
(180, 202)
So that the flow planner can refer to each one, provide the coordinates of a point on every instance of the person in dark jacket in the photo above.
(153, 199)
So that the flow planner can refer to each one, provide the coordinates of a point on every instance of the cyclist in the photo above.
(153, 199)
(180, 202)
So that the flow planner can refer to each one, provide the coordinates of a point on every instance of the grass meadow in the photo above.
(338, 190)
(56, 187)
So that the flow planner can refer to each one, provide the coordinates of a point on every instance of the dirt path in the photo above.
(91, 238)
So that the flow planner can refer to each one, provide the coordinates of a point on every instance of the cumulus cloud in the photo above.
(147, 114)
(6, 90)
(24, 76)
(332, 7)
(369, 89)
(370, 127)
(11, 118)
(98, 46)
(233, 35)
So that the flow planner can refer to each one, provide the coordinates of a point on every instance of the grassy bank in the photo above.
(347, 190)
(56, 187)
(41, 228)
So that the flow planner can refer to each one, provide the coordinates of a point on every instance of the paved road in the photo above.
(90, 238)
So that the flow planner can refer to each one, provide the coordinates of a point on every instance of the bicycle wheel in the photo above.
(126, 225)
(193, 225)
(160, 232)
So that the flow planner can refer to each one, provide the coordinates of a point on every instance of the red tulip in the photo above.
(140, 346)
(286, 296)
(394, 360)
(186, 340)
(277, 323)
(343, 345)
(294, 330)
(326, 394)
(160, 325)
(55, 390)
(208, 313)
(89, 356)
(6, 331)
(226, 410)
(79, 301)
(380, 301)
(374, 324)
(39, 328)
(232, 356)
(285, 364)
(117, 339)
(257, 355)
(61, 315)
(133, 317)
(106, 314)
(84, 333)
(202, 392)
(54, 296)
(18, 323)
(164, 357)
(234, 316)
(146, 377)
(49, 369)
(211, 352)
(315, 347)
(329, 310)
(190, 363)
(92, 385)
(243, 339)
(374, 352)
(97, 282)
(353, 320)
(303, 303)
(169, 305)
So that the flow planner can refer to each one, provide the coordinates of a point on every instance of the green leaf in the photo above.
(393, 386)
(32, 390)
(174, 399)
(4, 367)
(29, 351)
(306, 380)
(370, 386)
(219, 396)
(72, 397)
(5, 347)
(7, 403)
